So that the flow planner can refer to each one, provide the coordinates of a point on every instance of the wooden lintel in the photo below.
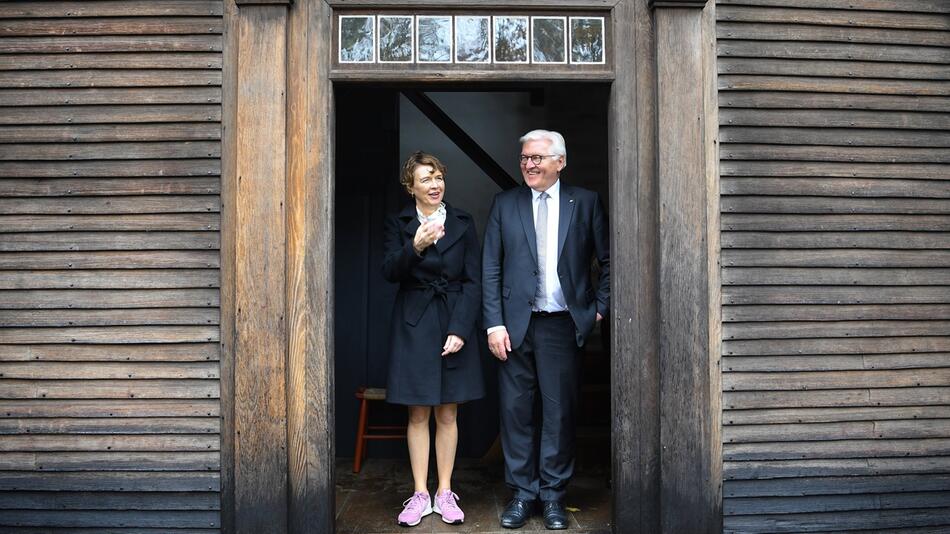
(240, 3)
(457, 135)
(696, 4)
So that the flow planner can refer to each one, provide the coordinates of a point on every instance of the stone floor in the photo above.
(368, 502)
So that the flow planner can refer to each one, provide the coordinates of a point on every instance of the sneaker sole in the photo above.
(404, 524)
(444, 520)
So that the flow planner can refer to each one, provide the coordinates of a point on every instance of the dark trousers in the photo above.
(538, 387)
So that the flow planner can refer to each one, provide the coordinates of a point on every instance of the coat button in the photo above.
(530, 303)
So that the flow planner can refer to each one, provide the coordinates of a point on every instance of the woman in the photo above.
(432, 252)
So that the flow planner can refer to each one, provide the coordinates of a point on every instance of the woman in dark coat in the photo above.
(432, 252)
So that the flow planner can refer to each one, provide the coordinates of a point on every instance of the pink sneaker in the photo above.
(415, 508)
(448, 508)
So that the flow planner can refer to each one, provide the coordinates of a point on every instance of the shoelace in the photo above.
(417, 502)
(450, 503)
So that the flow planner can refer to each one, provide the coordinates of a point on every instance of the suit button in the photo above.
(530, 303)
(534, 273)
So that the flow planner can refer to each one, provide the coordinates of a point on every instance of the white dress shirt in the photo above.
(555, 295)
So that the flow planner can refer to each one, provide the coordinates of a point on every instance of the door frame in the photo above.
(277, 262)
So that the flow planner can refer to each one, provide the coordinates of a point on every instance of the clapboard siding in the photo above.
(110, 146)
(835, 211)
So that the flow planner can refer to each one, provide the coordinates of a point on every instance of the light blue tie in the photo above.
(541, 237)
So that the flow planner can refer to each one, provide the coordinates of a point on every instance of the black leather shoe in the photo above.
(554, 515)
(517, 513)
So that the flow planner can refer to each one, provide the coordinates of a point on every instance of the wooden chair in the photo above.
(364, 431)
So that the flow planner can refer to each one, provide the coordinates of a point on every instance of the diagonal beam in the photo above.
(461, 139)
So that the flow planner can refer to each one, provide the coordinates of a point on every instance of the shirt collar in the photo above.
(552, 191)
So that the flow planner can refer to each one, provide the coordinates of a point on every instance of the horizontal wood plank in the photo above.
(913, 519)
(824, 276)
(845, 118)
(824, 205)
(870, 345)
(104, 353)
(918, 6)
(133, 259)
(177, 25)
(837, 69)
(840, 222)
(107, 500)
(833, 17)
(826, 503)
(109, 78)
(138, 426)
(183, 131)
(111, 334)
(109, 114)
(833, 329)
(779, 31)
(112, 205)
(113, 519)
(849, 468)
(107, 8)
(927, 396)
(833, 485)
(835, 312)
(833, 101)
(124, 317)
(109, 408)
(794, 135)
(819, 51)
(110, 389)
(855, 258)
(118, 481)
(118, 223)
(874, 86)
(112, 43)
(861, 154)
(106, 298)
(47, 370)
(110, 279)
(884, 240)
(109, 95)
(812, 380)
(164, 169)
(123, 151)
(60, 241)
(832, 415)
(143, 443)
(835, 363)
(109, 461)
(835, 295)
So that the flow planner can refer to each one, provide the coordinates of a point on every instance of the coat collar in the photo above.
(455, 224)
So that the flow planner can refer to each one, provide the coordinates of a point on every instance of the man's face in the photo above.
(540, 176)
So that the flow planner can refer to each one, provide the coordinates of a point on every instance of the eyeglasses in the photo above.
(536, 159)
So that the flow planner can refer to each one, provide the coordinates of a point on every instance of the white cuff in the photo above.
(496, 329)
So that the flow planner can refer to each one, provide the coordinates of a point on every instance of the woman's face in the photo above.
(428, 186)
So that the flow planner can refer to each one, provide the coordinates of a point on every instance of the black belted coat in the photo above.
(439, 294)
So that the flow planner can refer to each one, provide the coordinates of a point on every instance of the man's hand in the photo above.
(427, 233)
(500, 344)
(453, 344)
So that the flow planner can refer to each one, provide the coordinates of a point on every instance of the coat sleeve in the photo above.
(601, 233)
(399, 257)
(492, 257)
(468, 306)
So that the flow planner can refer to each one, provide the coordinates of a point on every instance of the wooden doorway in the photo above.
(277, 323)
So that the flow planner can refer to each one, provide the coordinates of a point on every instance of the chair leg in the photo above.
(360, 436)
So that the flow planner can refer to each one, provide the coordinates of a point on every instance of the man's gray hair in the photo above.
(556, 139)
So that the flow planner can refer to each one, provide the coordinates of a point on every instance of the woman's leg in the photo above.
(446, 441)
(417, 434)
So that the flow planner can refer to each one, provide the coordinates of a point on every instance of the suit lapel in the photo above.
(527, 220)
(565, 217)
(408, 215)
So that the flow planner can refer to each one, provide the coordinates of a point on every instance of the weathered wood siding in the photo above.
(835, 144)
(109, 283)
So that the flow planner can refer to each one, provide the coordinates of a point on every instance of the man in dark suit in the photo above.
(539, 306)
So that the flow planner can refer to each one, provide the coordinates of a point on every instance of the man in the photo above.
(539, 306)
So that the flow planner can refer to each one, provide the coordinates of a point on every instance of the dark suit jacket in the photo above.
(510, 260)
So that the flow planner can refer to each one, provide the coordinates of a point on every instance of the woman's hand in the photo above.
(427, 233)
(453, 344)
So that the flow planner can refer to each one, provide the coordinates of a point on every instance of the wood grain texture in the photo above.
(260, 463)
(685, 423)
(634, 318)
(309, 290)
(109, 374)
